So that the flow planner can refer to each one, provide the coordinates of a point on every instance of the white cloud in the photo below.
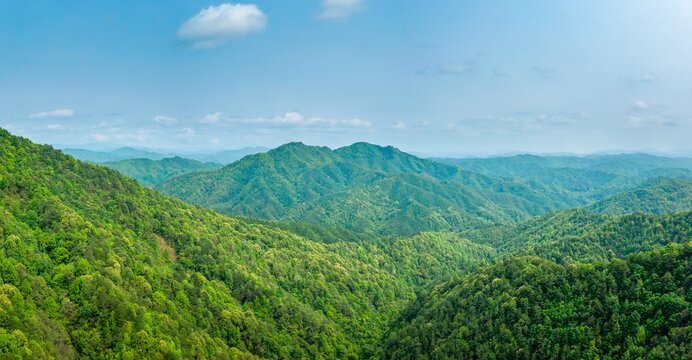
(120, 135)
(211, 118)
(186, 133)
(100, 137)
(290, 118)
(639, 80)
(655, 121)
(293, 118)
(165, 120)
(634, 119)
(447, 69)
(54, 126)
(216, 25)
(339, 9)
(542, 71)
(399, 125)
(110, 124)
(641, 105)
(59, 113)
(357, 123)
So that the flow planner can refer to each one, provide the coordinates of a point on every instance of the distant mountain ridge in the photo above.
(589, 178)
(657, 196)
(362, 187)
(94, 265)
(150, 172)
(621, 164)
(124, 153)
(129, 153)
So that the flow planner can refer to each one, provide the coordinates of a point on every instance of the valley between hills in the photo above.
(360, 252)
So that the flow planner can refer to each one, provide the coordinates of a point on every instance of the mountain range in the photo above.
(95, 265)
(129, 153)
(364, 188)
(150, 172)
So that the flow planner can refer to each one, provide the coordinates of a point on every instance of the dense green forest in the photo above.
(364, 188)
(94, 265)
(530, 308)
(149, 172)
(582, 236)
(657, 195)
(87, 271)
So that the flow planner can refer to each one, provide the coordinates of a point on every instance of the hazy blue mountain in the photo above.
(523, 165)
(227, 156)
(128, 153)
(149, 172)
(588, 178)
(124, 153)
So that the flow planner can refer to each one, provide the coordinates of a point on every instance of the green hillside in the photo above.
(93, 265)
(529, 308)
(364, 188)
(149, 172)
(582, 236)
(657, 195)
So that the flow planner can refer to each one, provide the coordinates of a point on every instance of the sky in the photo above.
(443, 76)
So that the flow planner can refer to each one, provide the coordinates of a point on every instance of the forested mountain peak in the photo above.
(86, 272)
(93, 265)
(392, 160)
(362, 187)
(286, 159)
(365, 149)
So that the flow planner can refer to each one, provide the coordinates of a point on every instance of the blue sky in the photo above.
(427, 76)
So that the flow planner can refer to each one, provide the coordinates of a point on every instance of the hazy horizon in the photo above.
(109, 147)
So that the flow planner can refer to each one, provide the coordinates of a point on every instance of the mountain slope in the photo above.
(580, 235)
(363, 187)
(525, 307)
(657, 195)
(589, 178)
(149, 172)
(93, 265)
